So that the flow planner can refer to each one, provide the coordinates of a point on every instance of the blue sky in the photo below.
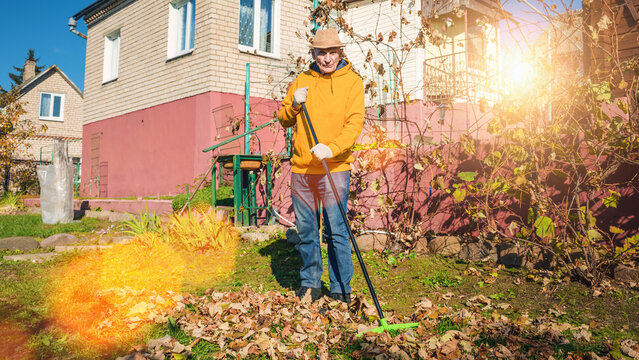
(531, 23)
(42, 25)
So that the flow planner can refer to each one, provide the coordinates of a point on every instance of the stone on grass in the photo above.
(474, 251)
(445, 245)
(245, 229)
(114, 240)
(58, 239)
(255, 237)
(626, 274)
(371, 241)
(22, 243)
(102, 215)
(272, 229)
(63, 248)
(579, 254)
(524, 256)
(268, 229)
(37, 258)
(421, 246)
(118, 216)
(121, 239)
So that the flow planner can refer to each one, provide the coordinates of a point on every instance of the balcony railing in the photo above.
(447, 78)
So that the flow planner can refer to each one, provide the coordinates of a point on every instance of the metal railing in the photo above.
(448, 77)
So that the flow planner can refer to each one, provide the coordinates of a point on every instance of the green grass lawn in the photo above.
(31, 225)
(400, 281)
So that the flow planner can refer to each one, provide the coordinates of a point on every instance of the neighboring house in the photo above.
(616, 26)
(50, 98)
(166, 79)
(444, 81)
(561, 43)
(610, 45)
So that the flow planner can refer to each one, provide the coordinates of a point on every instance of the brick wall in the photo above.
(147, 79)
(70, 127)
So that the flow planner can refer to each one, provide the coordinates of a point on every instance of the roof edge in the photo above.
(89, 9)
(42, 73)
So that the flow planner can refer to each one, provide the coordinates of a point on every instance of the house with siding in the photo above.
(50, 98)
(616, 24)
(166, 79)
(610, 48)
(442, 82)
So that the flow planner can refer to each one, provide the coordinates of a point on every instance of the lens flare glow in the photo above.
(519, 74)
(105, 298)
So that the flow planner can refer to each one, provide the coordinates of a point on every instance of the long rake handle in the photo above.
(348, 225)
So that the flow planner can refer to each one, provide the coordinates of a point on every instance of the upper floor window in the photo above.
(181, 27)
(51, 106)
(259, 26)
(111, 56)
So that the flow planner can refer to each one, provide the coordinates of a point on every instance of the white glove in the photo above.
(321, 152)
(299, 96)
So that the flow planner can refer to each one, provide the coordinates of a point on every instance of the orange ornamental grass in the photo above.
(105, 297)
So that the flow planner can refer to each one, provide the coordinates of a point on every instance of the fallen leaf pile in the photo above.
(248, 324)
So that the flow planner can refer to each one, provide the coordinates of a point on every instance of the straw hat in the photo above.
(326, 39)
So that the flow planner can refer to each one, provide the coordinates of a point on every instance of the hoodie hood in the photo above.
(342, 64)
(343, 67)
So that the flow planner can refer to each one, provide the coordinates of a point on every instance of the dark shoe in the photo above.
(316, 293)
(345, 298)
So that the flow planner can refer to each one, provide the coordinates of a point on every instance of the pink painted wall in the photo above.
(155, 151)
(423, 118)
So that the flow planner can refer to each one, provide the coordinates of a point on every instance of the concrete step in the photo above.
(38, 258)
(62, 248)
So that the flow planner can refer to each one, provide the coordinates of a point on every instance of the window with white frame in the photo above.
(111, 56)
(181, 27)
(51, 106)
(259, 26)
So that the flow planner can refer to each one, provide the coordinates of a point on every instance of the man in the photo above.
(334, 97)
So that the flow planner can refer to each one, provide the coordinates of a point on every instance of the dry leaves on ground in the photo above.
(248, 323)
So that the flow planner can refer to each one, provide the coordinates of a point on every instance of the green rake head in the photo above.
(388, 327)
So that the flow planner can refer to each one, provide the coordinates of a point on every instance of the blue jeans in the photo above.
(307, 190)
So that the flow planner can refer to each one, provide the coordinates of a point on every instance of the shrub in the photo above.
(202, 198)
(11, 200)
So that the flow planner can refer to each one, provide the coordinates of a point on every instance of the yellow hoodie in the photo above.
(335, 104)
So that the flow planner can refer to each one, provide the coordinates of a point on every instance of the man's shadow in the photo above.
(286, 261)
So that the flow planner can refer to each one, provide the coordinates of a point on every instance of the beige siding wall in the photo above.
(146, 78)
(71, 126)
(374, 17)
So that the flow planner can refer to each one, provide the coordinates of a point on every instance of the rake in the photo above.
(384, 325)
